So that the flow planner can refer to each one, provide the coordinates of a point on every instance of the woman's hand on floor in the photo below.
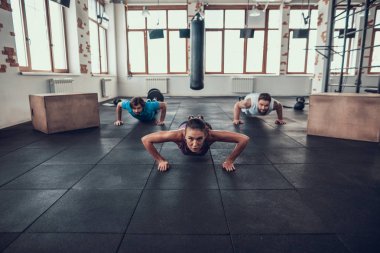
(163, 165)
(229, 166)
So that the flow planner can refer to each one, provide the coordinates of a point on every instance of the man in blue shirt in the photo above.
(258, 104)
(141, 110)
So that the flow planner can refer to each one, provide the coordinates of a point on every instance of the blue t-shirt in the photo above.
(148, 113)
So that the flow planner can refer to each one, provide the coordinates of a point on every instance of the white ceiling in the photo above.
(166, 2)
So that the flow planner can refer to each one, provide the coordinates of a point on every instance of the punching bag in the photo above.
(197, 49)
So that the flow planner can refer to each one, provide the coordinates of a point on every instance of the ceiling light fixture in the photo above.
(119, 1)
(254, 12)
(145, 12)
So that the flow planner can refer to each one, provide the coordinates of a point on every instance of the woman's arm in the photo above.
(241, 141)
(159, 137)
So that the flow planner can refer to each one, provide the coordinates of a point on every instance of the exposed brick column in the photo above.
(83, 36)
(10, 53)
(284, 39)
(5, 5)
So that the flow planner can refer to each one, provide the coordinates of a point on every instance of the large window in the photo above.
(40, 35)
(302, 39)
(98, 37)
(375, 54)
(150, 53)
(226, 52)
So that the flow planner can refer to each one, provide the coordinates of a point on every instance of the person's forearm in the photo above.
(279, 112)
(118, 113)
(236, 112)
(163, 114)
(152, 149)
(240, 146)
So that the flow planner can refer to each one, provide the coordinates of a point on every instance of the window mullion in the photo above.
(146, 46)
(167, 43)
(99, 48)
(52, 67)
(27, 40)
(265, 48)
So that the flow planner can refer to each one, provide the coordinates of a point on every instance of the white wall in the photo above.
(219, 86)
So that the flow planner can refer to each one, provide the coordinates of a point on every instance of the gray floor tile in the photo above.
(177, 243)
(127, 156)
(65, 242)
(364, 174)
(116, 176)
(368, 243)
(105, 211)
(269, 211)
(279, 141)
(184, 177)
(19, 208)
(50, 177)
(248, 156)
(11, 143)
(179, 212)
(252, 177)
(315, 176)
(10, 171)
(79, 156)
(349, 155)
(314, 243)
(97, 143)
(134, 143)
(4, 151)
(294, 155)
(350, 211)
(33, 156)
(112, 131)
(6, 239)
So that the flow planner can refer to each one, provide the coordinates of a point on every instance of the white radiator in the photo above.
(105, 83)
(61, 85)
(242, 84)
(157, 83)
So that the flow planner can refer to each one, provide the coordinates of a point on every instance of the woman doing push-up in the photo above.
(194, 137)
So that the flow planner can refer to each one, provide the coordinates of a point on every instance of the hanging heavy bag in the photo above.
(197, 51)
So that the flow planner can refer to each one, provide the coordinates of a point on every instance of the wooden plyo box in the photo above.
(53, 113)
(345, 115)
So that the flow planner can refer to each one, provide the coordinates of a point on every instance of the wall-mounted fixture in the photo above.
(145, 12)
(119, 1)
(254, 12)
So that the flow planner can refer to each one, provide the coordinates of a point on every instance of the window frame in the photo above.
(305, 67)
(90, 19)
(28, 68)
(376, 29)
(167, 31)
(245, 49)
